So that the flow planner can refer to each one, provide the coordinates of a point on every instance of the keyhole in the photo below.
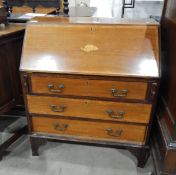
(92, 29)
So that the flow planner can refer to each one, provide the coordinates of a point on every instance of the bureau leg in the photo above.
(142, 155)
(1, 156)
(36, 143)
(3, 153)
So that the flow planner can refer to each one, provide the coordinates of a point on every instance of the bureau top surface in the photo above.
(129, 50)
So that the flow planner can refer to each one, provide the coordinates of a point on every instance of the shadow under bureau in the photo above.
(91, 80)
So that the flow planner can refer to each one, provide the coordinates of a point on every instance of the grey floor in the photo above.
(69, 159)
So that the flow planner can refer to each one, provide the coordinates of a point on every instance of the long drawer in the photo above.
(90, 130)
(93, 109)
(84, 87)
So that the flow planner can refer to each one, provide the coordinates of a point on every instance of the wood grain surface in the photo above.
(90, 109)
(121, 50)
(96, 20)
(91, 130)
(11, 28)
(87, 87)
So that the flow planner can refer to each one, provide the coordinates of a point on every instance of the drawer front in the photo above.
(93, 109)
(90, 130)
(91, 88)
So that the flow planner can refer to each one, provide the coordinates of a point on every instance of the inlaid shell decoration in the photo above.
(89, 48)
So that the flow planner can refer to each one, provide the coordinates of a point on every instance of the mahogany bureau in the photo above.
(91, 80)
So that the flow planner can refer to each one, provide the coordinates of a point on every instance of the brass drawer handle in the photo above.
(118, 116)
(54, 108)
(119, 93)
(54, 89)
(116, 133)
(60, 127)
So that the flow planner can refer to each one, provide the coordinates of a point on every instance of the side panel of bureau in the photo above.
(90, 130)
(93, 109)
